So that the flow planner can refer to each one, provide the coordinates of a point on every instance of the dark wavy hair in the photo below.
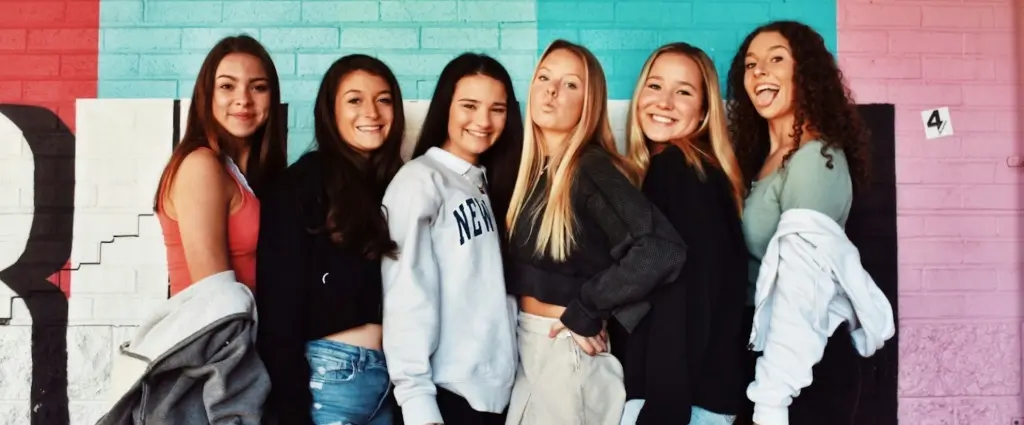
(502, 159)
(354, 183)
(823, 103)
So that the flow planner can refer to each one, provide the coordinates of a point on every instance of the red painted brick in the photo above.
(51, 91)
(78, 66)
(64, 40)
(10, 91)
(12, 39)
(926, 42)
(83, 13)
(31, 14)
(966, 17)
(958, 68)
(29, 65)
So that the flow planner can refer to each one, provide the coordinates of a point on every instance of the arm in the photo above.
(201, 200)
(647, 250)
(412, 295)
(796, 339)
(283, 271)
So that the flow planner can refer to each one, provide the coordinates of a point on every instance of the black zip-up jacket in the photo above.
(689, 350)
(625, 248)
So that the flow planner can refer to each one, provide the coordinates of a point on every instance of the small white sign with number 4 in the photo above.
(937, 123)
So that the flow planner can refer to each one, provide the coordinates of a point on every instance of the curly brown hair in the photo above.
(823, 103)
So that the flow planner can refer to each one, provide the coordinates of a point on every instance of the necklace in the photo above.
(478, 185)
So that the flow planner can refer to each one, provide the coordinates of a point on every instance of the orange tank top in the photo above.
(243, 234)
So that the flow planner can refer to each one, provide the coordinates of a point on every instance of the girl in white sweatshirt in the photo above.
(449, 327)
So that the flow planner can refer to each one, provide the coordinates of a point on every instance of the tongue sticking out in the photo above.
(766, 97)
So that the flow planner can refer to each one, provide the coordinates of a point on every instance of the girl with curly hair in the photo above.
(816, 311)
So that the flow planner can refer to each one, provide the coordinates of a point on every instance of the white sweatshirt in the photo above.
(811, 280)
(447, 318)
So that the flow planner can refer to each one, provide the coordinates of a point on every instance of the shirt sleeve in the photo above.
(411, 285)
(282, 270)
(647, 251)
(810, 184)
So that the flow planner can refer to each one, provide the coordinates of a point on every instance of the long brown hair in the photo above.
(268, 150)
(354, 184)
(709, 142)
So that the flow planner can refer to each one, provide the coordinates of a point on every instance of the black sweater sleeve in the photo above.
(282, 271)
(647, 251)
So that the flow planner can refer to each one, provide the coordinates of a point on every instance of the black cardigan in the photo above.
(624, 249)
(689, 350)
(307, 286)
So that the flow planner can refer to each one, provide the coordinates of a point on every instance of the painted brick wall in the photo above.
(959, 203)
(153, 49)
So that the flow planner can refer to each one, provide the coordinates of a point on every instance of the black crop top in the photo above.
(624, 249)
(308, 287)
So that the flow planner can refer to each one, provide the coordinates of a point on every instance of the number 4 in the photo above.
(935, 121)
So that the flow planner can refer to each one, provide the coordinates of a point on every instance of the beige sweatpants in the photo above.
(558, 384)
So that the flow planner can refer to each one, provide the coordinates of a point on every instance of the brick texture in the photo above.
(959, 202)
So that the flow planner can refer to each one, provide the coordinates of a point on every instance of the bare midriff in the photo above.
(366, 336)
(537, 307)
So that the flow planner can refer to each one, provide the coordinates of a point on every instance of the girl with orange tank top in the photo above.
(207, 200)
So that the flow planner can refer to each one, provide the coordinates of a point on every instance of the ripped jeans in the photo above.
(350, 384)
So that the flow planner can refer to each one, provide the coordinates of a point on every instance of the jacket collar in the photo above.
(451, 161)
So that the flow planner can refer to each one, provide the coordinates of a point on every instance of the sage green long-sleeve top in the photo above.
(804, 182)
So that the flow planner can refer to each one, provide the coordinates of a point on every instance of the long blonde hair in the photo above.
(556, 236)
(712, 135)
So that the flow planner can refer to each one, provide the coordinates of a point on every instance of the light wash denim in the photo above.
(698, 416)
(350, 384)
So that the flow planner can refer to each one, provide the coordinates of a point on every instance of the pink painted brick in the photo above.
(944, 172)
(991, 252)
(872, 66)
(931, 251)
(857, 41)
(908, 226)
(909, 279)
(918, 41)
(960, 359)
(868, 91)
(934, 197)
(957, 69)
(930, 306)
(1010, 225)
(1010, 176)
(960, 280)
(926, 411)
(993, 304)
(996, 44)
(1003, 95)
(990, 145)
(887, 16)
(988, 410)
(993, 197)
(967, 17)
(1011, 279)
(965, 226)
(926, 94)
(919, 147)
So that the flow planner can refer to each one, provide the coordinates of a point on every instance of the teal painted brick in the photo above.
(185, 88)
(519, 65)
(299, 90)
(335, 11)
(518, 36)
(262, 12)
(140, 39)
(299, 39)
(459, 38)
(300, 115)
(205, 38)
(387, 38)
(314, 64)
(808, 12)
(419, 11)
(121, 12)
(138, 89)
(415, 63)
(184, 12)
(575, 12)
(119, 66)
(677, 13)
(425, 88)
(545, 36)
(497, 11)
(170, 65)
(732, 13)
(284, 63)
(299, 142)
(613, 39)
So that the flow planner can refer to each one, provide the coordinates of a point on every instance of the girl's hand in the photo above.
(591, 345)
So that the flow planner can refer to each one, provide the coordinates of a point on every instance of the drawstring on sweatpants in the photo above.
(575, 350)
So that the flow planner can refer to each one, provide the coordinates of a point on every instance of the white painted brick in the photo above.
(14, 413)
(89, 361)
(15, 363)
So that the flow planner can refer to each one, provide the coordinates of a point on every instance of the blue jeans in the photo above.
(350, 384)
